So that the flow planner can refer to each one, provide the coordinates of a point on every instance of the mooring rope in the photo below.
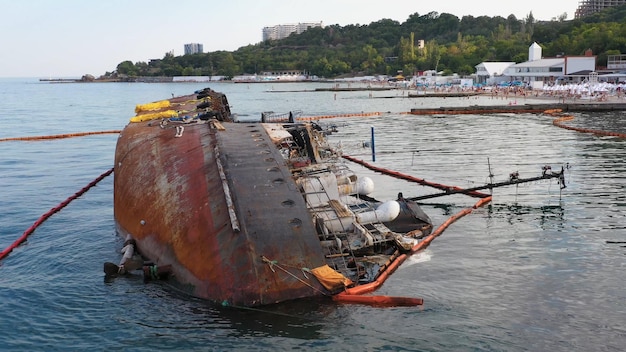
(274, 263)
(52, 211)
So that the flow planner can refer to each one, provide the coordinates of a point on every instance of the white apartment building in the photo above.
(193, 48)
(284, 30)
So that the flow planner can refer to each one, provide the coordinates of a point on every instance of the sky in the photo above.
(71, 38)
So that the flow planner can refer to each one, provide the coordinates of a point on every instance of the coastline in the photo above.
(566, 99)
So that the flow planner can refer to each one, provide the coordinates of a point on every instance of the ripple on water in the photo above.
(530, 271)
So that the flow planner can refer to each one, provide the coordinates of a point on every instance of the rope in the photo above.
(274, 263)
(52, 211)
(57, 136)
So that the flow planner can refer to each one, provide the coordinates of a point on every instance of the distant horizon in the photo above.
(96, 37)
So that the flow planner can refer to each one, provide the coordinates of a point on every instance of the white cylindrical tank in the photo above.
(363, 186)
(386, 212)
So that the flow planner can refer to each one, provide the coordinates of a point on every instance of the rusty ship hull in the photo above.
(241, 212)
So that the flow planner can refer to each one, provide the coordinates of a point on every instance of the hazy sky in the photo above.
(70, 38)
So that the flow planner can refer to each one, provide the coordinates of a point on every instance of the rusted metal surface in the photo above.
(169, 195)
(275, 222)
(242, 211)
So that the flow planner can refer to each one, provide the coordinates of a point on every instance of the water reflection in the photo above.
(300, 319)
(547, 216)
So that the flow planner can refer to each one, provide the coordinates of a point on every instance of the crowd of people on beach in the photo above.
(601, 91)
(596, 92)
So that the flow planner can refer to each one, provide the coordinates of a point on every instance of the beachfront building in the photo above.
(275, 76)
(491, 73)
(616, 63)
(616, 69)
(282, 31)
(538, 70)
(193, 48)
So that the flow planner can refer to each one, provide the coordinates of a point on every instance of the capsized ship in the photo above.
(249, 214)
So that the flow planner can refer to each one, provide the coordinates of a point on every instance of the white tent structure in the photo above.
(491, 72)
(587, 90)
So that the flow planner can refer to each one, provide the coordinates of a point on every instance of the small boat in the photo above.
(250, 213)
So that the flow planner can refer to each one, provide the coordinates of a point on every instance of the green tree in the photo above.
(451, 44)
(127, 68)
(372, 60)
(322, 67)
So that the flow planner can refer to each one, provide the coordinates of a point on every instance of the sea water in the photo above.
(540, 268)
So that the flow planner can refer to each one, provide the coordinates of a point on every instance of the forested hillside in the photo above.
(451, 44)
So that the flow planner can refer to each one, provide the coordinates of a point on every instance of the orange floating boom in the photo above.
(380, 301)
(410, 178)
(374, 285)
(559, 123)
(57, 136)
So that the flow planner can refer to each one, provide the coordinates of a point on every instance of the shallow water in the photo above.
(532, 271)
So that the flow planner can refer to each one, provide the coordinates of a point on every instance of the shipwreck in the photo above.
(255, 213)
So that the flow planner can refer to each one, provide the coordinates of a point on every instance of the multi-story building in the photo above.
(193, 48)
(284, 30)
(588, 7)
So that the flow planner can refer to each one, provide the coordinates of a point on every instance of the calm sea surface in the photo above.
(536, 270)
